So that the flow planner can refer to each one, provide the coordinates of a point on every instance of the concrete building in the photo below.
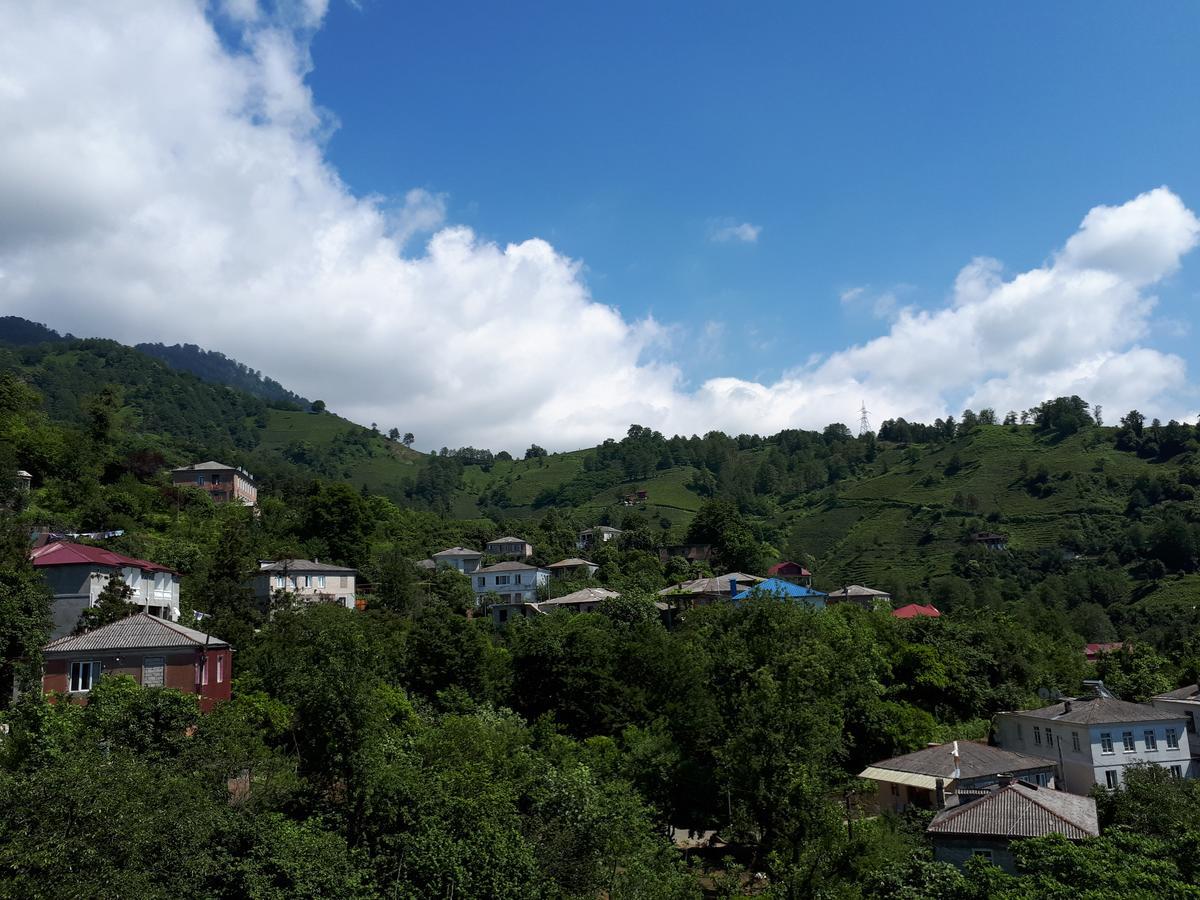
(515, 582)
(702, 591)
(601, 534)
(224, 483)
(461, 559)
(932, 777)
(509, 546)
(1093, 739)
(573, 568)
(150, 650)
(310, 580)
(77, 574)
(866, 597)
(987, 825)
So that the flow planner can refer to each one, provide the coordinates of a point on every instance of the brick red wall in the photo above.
(179, 672)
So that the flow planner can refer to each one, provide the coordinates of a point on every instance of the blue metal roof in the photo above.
(780, 589)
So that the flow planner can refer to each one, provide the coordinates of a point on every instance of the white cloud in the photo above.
(157, 185)
(724, 231)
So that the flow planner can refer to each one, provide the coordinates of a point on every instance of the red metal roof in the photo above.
(65, 553)
(789, 568)
(916, 609)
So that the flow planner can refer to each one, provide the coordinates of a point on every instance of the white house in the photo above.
(310, 580)
(509, 546)
(77, 573)
(573, 568)
(601, 534)
(1093, 739)
(515, 582)
(461, 559)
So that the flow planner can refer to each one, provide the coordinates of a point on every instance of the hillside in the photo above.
(217, 368)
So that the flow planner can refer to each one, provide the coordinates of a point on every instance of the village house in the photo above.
(601, 534)
(1093, 739)
(152, 651)
(461, 559)
(581, 601)
(990, 540)
(224, 483)
(693, 553)
(790, 571)
(916, 611)
(778, 589)
(928, 777)
(702, 591)
(1184, 701)
(987, 825)
(509, 546)
(573, 568)
(514, 582)
(23, 481)
(76, 575)
(1092, 652)
(866, 597)
(311, 581)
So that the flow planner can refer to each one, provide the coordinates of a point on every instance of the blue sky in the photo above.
(876, 145)
(497, 224)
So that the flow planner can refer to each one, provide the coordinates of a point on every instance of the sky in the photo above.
(498, 224)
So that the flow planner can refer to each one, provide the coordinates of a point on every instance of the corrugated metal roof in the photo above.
(457, 551)
(857, 590)
(585, 595)
(716, 585)
(507, 540)
(569, 563)
(211, 465)
(66, 553)
(893, 777)
(974, 761)
(139, 631)
(1018, 811)
(507, 567)
(301, 565)
(777, 587)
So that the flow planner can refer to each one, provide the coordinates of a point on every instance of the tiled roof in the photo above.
(506, 567)
(916, 609)
(137, 632)
(856, 590)
(789, 568)
(65, 553)
(508, 540)
(1098, 711)
(717, 585)
(1020, 811)
(569, 563)
(974, 761)
(301, 565)
(457, 551)
(585, 595)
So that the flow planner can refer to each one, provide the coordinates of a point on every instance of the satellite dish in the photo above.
(1043, 693)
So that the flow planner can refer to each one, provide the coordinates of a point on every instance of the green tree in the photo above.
(25, 603)
(113, 604)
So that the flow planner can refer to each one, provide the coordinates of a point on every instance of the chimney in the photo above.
(939, 794)
(1066, 706)
(1006, 778)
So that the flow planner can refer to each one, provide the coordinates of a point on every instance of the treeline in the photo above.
(217, 368)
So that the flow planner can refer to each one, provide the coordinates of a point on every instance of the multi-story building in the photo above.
(225, 484)
(601, 534)
(509, 546)
(151, 650)
(461, 559)
(309, 580)
(77, 573)
(515, 582)
(1093, 739)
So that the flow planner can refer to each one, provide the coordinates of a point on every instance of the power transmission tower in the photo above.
(864, 422)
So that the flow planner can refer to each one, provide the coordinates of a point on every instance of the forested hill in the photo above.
(218, 368)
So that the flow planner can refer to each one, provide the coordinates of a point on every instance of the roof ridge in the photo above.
(1031, 794)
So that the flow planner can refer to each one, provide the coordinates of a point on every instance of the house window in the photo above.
(220, 668)
(201, 479)
(501, 579)
(502, 614)
(895, 790)
(202, 671)
(1172, 739)
(1106, 744)
(1110, 780)
(984, 854)
(1127, 740)
(1177, 771)
(1075, 741)
(1151, 740)
(152, 671)
(162, 585)
(1037, 736)
(482, 581)
(83, 676)
(1049, 739)
(133, 577)
(321, 581)
(279, 582)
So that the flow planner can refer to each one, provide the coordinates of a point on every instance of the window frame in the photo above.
(1151, 740)
(1106, 743)
(1128, 742)
(1037, 736)
(1075, 741)
(94, 670)
(1172, 739)
(1111, 779)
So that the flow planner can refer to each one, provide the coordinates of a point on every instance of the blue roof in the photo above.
(777, 587)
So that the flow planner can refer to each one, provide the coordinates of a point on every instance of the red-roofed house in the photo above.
(77, 573)
(150, 650)
(1094, 651)
(790, 571)
(914, 610)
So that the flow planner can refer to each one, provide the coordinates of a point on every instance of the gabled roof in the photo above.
(787, 567)
(301, 565)
(65, 553)
(1021, 811)
(776, 587)
(508, 540)
(718, 584)
(457, 551)
(974, 761)
(507, 567)
(913, 610)
(571, 563)
(1098, 711)
(856, 590)
(585, 595)
(140, 631)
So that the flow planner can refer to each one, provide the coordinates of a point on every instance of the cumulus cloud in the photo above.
(724, 231)
(158, 184)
